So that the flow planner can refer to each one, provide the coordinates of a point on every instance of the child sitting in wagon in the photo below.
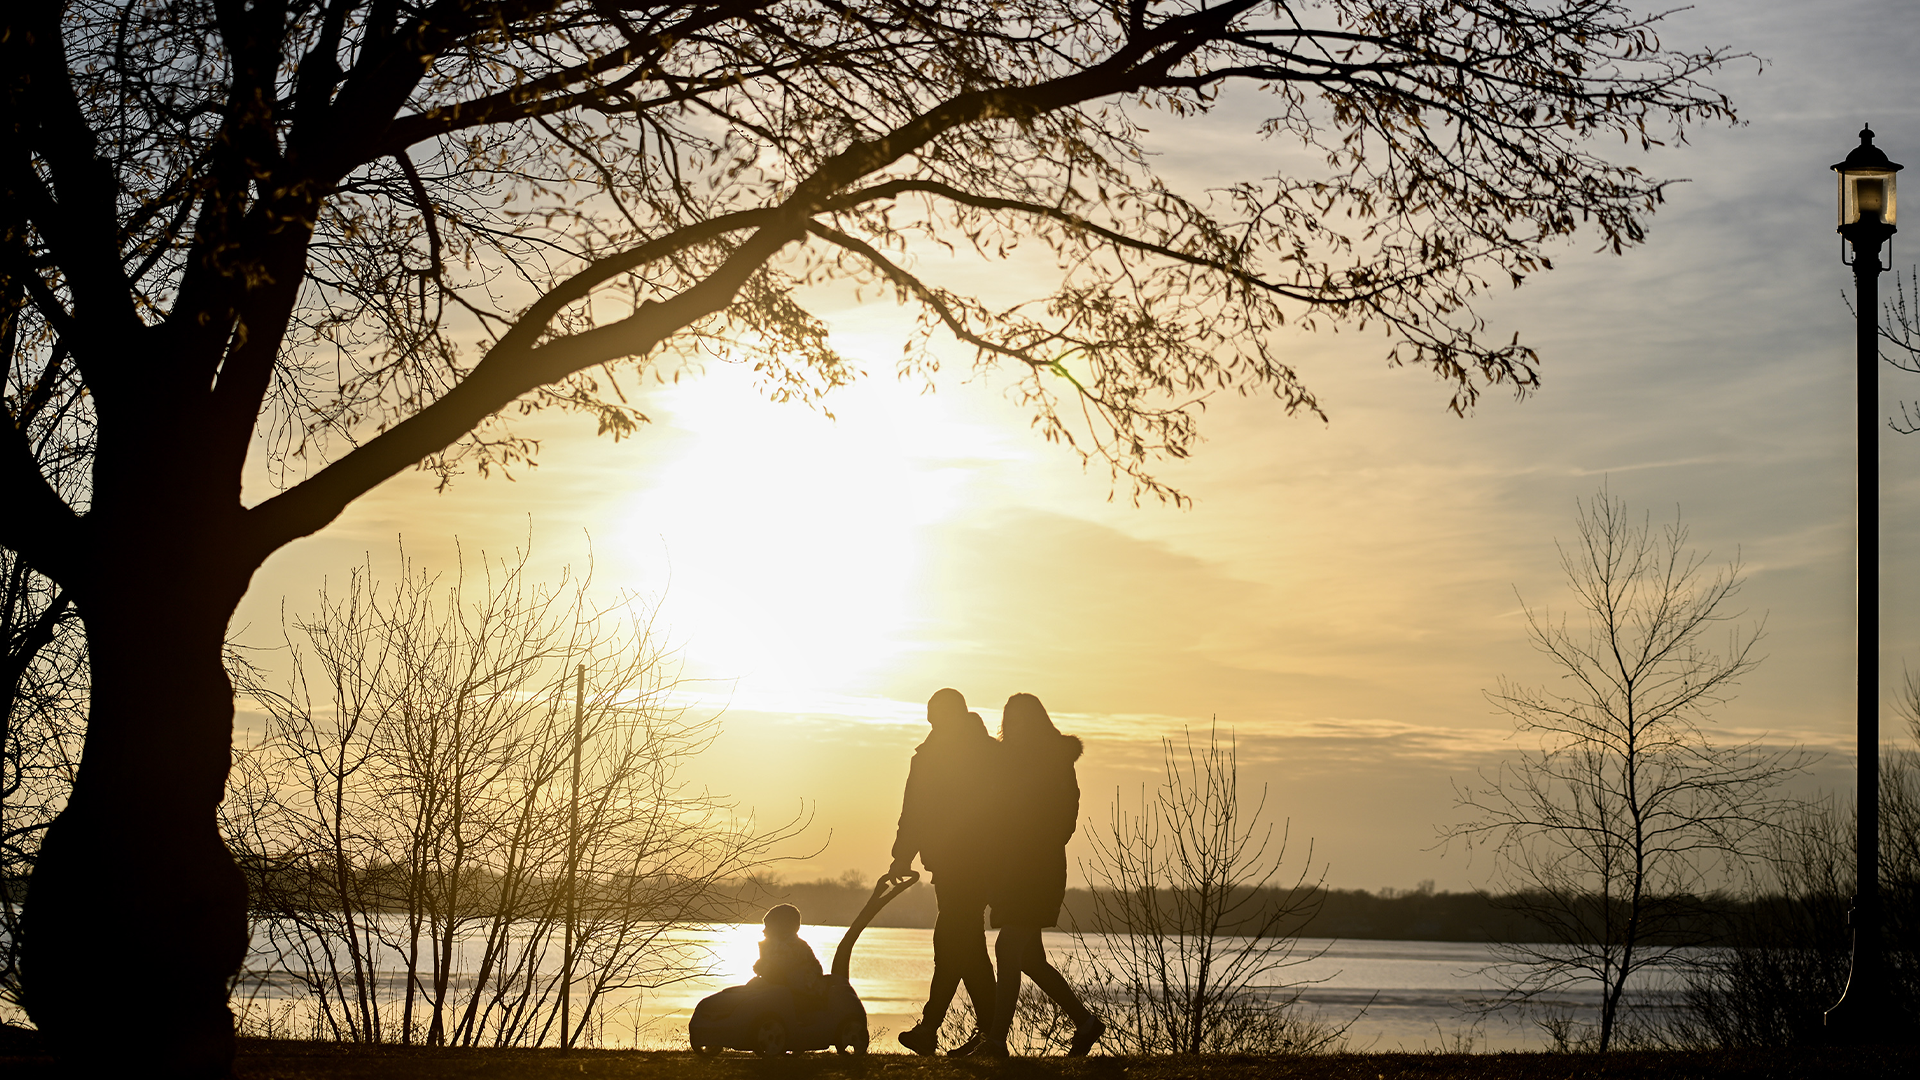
(787, 960)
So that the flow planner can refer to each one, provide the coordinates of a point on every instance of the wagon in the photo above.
(766, 1018)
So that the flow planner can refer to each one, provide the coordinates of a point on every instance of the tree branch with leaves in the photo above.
(354, 238)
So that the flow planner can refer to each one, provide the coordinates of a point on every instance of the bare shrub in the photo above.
(410, 822)
(1198, 921)
(1790, 949)
(1039, 1025)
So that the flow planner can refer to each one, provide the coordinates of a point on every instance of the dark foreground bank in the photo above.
(283, 1060)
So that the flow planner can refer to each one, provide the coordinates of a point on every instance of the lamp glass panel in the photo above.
(1867, 192)
(1871, 193)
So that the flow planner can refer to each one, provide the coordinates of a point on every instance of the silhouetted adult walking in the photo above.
(943, 819)
(1037, 806)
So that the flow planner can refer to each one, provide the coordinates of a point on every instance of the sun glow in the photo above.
(793, 545)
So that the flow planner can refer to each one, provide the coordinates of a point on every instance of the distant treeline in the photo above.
(1421, 914)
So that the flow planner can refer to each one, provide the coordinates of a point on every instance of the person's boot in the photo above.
(991, 1048)
(991, 1041)
(971, 1046)
(920, 1039)
(1085, 1033)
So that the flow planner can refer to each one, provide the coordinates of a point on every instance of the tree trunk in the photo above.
(136, 915)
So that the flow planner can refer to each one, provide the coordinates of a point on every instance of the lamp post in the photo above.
(1866, 222)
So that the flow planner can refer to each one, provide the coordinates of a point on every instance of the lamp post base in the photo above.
(1861, 1016)
(1857, 1019)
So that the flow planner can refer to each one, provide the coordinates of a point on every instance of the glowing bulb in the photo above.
(1870, 194)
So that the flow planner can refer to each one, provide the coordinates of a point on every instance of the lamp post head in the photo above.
(1866, 184)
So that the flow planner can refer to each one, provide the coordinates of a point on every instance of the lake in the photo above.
(1394, 995)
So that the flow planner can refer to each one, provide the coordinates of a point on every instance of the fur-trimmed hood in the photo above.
(1074, 746)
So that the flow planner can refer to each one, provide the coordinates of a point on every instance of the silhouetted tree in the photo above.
(344, 236)
(1627, 813)
(43, 679)
(412, 808)
(43, 651)
(1200, 916)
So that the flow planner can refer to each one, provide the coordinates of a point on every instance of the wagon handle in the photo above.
(889, 887)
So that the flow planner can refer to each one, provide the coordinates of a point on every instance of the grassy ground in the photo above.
(276, 1060)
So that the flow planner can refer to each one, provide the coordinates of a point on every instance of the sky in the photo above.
(1339, 595)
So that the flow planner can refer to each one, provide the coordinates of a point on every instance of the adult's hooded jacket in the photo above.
(944, 815)
(1037, 806)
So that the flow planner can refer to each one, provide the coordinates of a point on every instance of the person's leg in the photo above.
(950, 965)
(1087, 1028)
(970, 954)
(1009, 954)
(1055, 985)
(976, 970)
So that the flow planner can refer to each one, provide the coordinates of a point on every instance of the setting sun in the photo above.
(797, 552)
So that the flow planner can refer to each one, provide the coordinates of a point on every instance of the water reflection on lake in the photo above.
(1396, 995)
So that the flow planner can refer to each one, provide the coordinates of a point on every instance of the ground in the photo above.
(279, 1060)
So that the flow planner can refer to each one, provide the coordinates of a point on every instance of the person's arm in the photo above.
(1068, 807)
(913, 814)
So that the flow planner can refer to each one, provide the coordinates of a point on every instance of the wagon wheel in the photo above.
(768, 1037)
(852, 1038)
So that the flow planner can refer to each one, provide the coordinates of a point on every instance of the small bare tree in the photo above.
(1899, 328)
(465, 826)
(1611, 830)
(1199, 917)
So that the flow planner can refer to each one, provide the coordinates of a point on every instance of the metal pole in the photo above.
(1866, 276)
(1856, 1018)
(573, 852)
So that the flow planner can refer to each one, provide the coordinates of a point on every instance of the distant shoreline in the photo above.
(1347, 914)
(1421, 914)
